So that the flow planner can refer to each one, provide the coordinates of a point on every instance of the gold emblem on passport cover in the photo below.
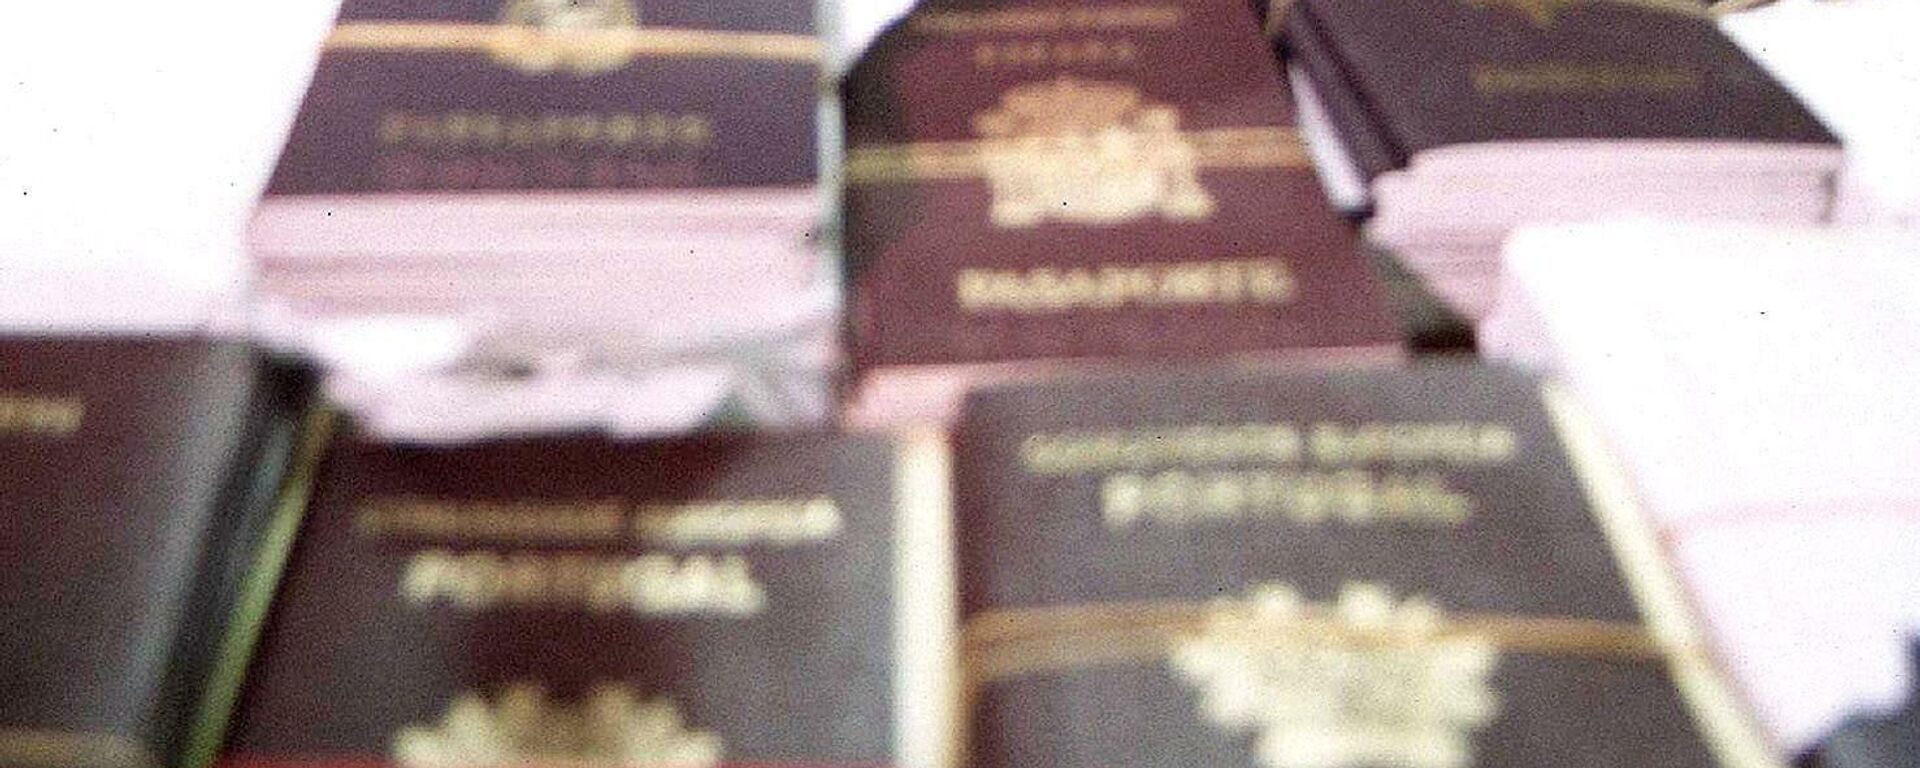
(1088, 152)
(560, 35)
(1367, 681)
(610, 726)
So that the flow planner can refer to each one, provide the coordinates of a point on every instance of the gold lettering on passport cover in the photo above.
(1047, 20)
(22, 414)
(1460, 443)
(1088, 152)
(1356, 473)
(522, 726)
(553, 42)
(1355, 497)
(740, 523)
(609, 132)
(1041, 54)
(1367, 681)
(1112, 286)
(715, 523)
(590, 520)
(648, 585)
(1456, 443)
(1068, 453)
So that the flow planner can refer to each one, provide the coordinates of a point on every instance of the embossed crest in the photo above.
(577, 36)
(1088, 152)
(1369, 681)
(610, 726)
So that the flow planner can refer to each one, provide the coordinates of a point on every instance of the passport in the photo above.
(1455, 121)
(607, 196)
(727, 599)
(1343, 569)
(479, 95)
(1035, 185)
(1514, 70)
(145, 480)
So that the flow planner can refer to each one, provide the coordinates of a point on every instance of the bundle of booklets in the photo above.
(1458, 120)
(482, 204)
(1757, 383)
(1036, 189)
(1360, 568)
(1079, 235)
(1838, 58)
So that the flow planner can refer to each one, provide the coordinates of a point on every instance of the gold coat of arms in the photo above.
(1088, 152)
(577, 36)
(610, 726)
(1368, 681)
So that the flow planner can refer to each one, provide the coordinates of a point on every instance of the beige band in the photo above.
(1544, 11)
(403, 37)
(1011, 643)
(1220, 148)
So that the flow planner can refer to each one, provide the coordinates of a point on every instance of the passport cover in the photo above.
(1343, 571)
(1122, 181)
(1441, 72)
(722, 600)
(506, 95)
(143, 477)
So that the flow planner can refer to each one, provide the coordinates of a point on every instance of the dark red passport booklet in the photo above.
(468, 96)
(1392, 568)
(1434, 73)
(1038, 182)
(709, 601)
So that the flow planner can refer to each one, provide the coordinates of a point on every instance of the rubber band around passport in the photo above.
(636, 42)
(1213, 149)
(1015, 642)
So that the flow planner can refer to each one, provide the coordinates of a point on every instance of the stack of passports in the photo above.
(1358, 569)
(143, 486)
(1835, 57)
(577, 601)
(1044, 187)
(612, 194)
(1756, 384)
(1463, 118)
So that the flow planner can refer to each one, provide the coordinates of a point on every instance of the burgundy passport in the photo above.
(1348, 570)
(1106, 182)
(476, 95)
(570, 601)
(1425, 74)
(142, 476)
